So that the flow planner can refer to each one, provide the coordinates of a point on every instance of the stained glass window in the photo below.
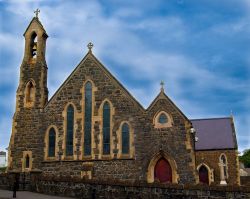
(106, 128)
(125, 138)
(70, 130)
(27, 161)
(88, 119)
(163, 118)
(52, 142)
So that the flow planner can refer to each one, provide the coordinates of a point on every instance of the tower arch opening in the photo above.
(33, 45)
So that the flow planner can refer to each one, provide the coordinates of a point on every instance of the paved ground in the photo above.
(27, 195)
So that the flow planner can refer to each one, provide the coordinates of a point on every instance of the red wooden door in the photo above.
(203, 175)
(163, 171)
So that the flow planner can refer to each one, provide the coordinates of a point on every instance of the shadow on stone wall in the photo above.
(245, 180)
(98, 188)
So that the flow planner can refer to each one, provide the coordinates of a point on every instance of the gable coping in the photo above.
(37, 20)
(102, 67)
(162, 95)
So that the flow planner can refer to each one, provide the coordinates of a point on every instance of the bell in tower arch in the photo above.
(33, 45)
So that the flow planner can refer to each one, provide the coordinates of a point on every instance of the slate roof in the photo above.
(215, 133)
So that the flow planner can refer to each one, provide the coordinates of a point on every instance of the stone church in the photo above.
(93, 128)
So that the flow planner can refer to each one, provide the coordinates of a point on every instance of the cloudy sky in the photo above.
(199, 48)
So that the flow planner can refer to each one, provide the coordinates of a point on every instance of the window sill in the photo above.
(50, 159)
(87, 157)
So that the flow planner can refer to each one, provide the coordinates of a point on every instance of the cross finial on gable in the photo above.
(162, 85)
(231, 114)
(90, 46)
(37, 11)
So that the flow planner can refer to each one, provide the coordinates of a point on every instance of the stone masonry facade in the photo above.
(35, 115)
(211, 158)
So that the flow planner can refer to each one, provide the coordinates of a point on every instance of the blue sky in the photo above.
(200, 49)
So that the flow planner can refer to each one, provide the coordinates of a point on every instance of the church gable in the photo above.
(106, 86)
(92, 93)
(163, 108)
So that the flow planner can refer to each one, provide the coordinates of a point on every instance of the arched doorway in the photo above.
(163, 171)
(203, 175)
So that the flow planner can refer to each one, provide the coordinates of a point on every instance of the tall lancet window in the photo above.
(125, 138)
(27, 161)
(30, 92)
(106, 128)
(33, 45)
(88, 119)
(70, 130)
(52, 143)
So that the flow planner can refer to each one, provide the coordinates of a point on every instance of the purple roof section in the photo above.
(215, 133)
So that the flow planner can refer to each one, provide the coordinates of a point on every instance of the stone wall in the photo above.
(211, 159)
(4, 181)
(245, 180)
(83, 188)
(116, 189)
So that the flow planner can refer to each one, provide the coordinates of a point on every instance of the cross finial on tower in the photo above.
(37, 11)
(90, 46)
(162, 85)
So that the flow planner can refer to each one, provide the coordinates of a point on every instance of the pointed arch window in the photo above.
(52, 143)
(162, 120)
(33, 45)
(70, 130)
(30, 92)
(27, 161)
(106, 128)
(125, 138)
(88, 119)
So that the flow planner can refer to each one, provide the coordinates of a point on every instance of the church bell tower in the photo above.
(32, 90)
(25, 152)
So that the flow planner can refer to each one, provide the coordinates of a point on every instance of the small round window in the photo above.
(163, 118)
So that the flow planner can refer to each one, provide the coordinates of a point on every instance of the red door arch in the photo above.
(203, 175)
(163, 171)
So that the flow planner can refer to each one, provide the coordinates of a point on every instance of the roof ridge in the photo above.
(65, 81)
(163, 95)
(117, 81)
(212, 118)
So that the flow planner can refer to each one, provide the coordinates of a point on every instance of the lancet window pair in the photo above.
(106, 129)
